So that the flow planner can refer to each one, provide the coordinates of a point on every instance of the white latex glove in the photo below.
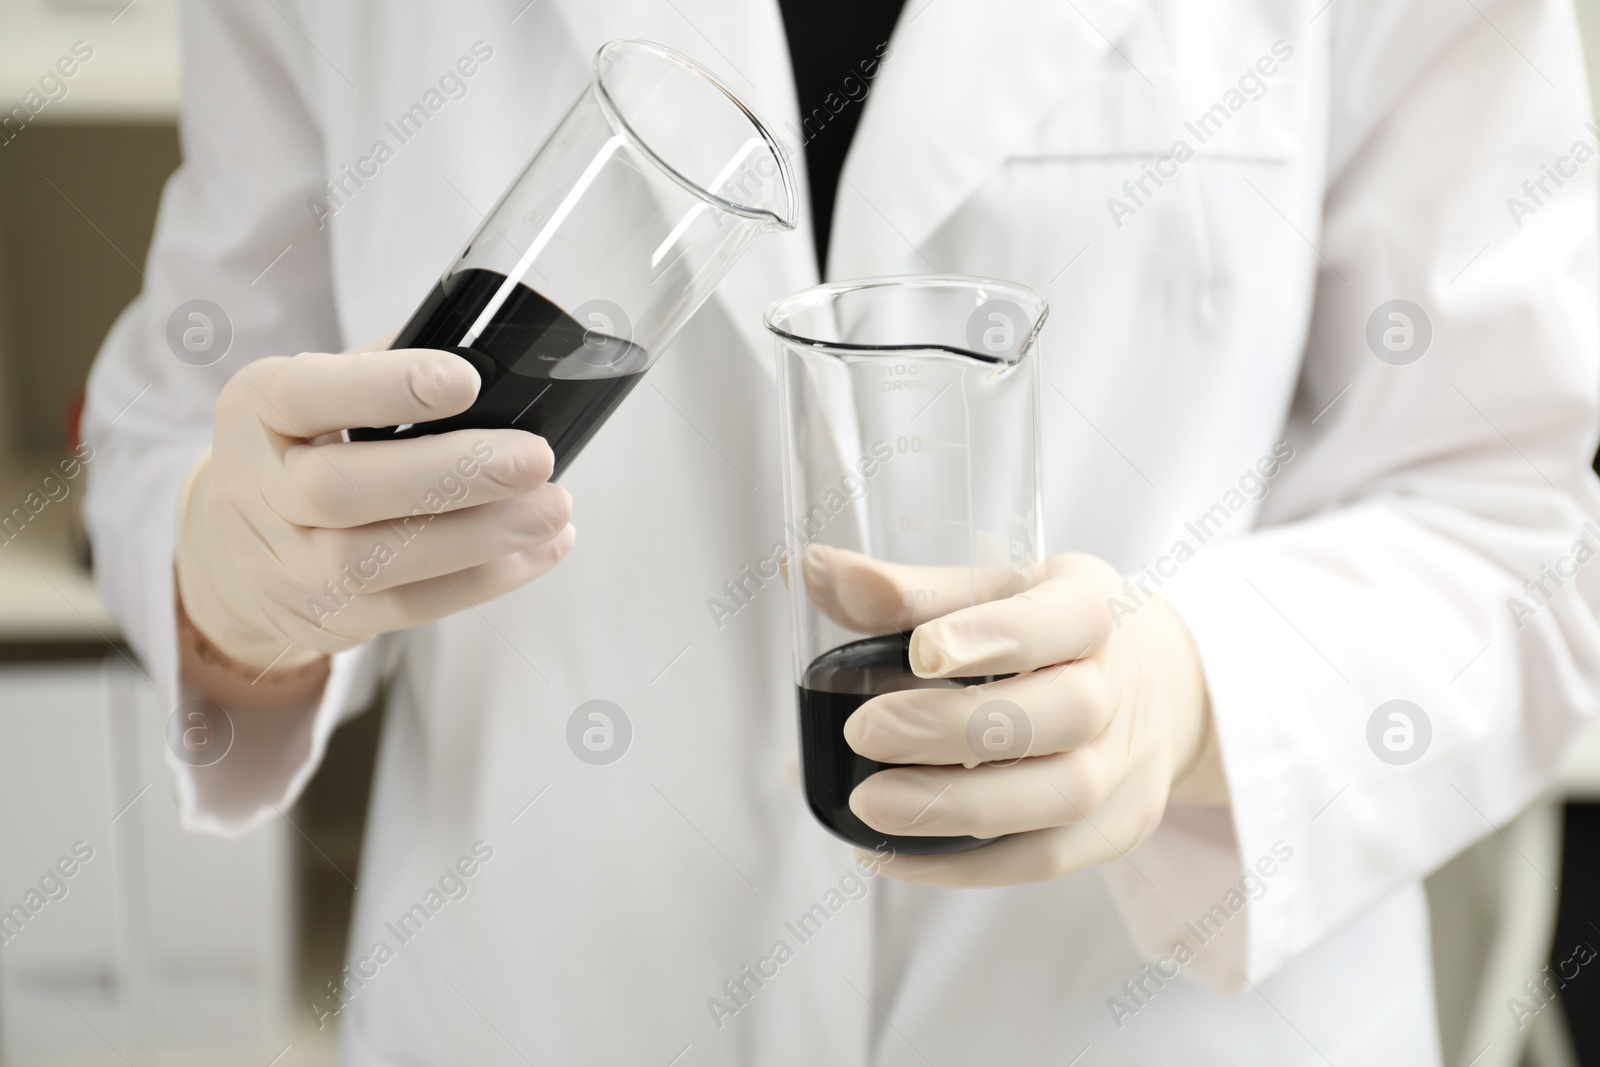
(292, 545)
(1119, 717)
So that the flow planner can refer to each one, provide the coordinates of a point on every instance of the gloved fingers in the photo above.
(1062, 618)
(990, 800)
(301, 397)
(1035, 714)
(386, 555)
(348, 484)
(870, 596)
(1109, 835)
(364, 614)
(375, 345)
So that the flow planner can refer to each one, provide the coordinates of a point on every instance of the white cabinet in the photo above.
(62, 976)
(162, 945)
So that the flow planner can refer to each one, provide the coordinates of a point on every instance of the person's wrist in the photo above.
(228, 642)
(1199, 776)
(219, 663)
(219, 633)
(1205, 779)
(205, 668)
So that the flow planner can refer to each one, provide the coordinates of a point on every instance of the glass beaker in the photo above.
(911, 489)
(617, 230)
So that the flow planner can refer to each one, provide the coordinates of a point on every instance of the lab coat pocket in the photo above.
(1142, 177)
(1246, 114)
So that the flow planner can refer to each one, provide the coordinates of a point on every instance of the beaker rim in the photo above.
(781, 313)
(786, 221)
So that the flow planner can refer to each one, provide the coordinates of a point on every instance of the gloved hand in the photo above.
(1119, 716)
(292, 543)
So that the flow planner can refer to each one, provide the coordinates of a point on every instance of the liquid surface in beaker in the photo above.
(542, 370)
(835, 685)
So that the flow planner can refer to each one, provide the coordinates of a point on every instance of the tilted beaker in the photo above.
(619, 228)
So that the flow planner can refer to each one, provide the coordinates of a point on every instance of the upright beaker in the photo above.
(621, 225)
(911, 489)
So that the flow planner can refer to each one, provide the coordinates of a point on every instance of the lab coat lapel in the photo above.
(742, 42)
(963, 87)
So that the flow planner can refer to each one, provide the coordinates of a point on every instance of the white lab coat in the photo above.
(1225, 314)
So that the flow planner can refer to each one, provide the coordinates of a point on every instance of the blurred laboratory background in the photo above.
(163, 947)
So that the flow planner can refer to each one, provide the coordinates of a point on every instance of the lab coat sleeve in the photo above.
(234, 229)
(1390, 560)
